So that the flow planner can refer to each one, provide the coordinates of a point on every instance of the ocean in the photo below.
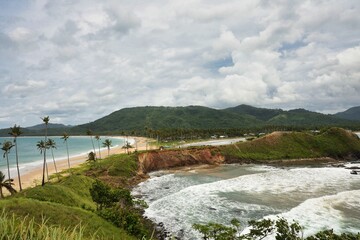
(317, 197)
(30, 157)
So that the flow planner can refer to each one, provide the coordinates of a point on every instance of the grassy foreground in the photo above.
(65, 208)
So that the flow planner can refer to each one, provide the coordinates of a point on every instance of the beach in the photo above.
(33, 177)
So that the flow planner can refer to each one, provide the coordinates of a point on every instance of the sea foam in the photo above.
(271, 192)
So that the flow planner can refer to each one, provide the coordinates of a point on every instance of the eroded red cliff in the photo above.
(166, 159)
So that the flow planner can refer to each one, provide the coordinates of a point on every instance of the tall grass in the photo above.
(13, 228)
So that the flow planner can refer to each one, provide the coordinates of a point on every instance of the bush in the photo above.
(281, 228)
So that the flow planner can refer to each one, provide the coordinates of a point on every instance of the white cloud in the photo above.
(77, 54)
(21, 34)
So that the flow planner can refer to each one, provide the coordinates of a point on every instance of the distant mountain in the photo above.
(53, 129)
(263, 114)
(296, 117)
(350, 114)
(50, 126)
(302, 117)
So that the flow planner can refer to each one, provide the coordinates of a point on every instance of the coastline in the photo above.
(33, 177)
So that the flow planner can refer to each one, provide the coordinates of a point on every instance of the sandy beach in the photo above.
(34, 176)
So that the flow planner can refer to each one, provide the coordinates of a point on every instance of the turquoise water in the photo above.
(30, 157)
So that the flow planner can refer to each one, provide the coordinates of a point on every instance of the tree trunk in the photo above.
(44, 166)
(99, 150)
(92, 142)
(17, 164)
(8, 166)
(67, 150)
(52, 153)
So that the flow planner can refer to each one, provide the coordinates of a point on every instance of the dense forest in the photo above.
(198, 121)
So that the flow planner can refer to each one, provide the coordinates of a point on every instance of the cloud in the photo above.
(62, 58)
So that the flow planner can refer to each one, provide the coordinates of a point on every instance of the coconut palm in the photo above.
(97, 137)
(46, 121)
(6, 146)
(107, 143)
(6, 184)
(15, 132)
(123, 134)
(41, 145)
(52, 144)
(89, 133)
(66, 137)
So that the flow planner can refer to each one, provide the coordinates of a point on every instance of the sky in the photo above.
(77, 61)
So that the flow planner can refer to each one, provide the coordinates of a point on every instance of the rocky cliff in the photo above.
(166, 159)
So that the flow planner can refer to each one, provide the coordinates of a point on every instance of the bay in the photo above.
(30, 157)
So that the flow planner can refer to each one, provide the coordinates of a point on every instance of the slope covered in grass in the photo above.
(70, 191)
(67, 203)
(13, 227)
(335, 142)
(60, 215)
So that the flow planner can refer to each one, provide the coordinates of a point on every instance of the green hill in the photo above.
(296, 145)
(350, 114)
(191, 117)
(65, 204)
(200, 118)
(302, 117)
(197, 117)
(263, 114)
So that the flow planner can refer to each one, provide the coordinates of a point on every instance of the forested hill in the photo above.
(191, 117)
(141, 119)
(350, 114)
(198, 117)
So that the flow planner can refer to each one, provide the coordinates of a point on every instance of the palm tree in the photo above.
(15, 132)
(7, 145)
(89, 133)
(46, 121)
(52, 144)
(6, 184)
(123, 134)
(107, 143)
(41, 145)
(97, 137)
(66, 137)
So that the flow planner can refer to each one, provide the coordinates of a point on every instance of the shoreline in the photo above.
(33, 176)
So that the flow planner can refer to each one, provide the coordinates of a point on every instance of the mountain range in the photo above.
(198, 117)
(350, 114)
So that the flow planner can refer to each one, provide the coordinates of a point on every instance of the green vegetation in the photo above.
(334, 142)
(70, 191)
(23, 228)
(6, 146)
(280, 229)
(69, 202)
(15, 132)
(197, 121)
(107, 143)
(6, 183)
(155, 120)
(118, 207)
